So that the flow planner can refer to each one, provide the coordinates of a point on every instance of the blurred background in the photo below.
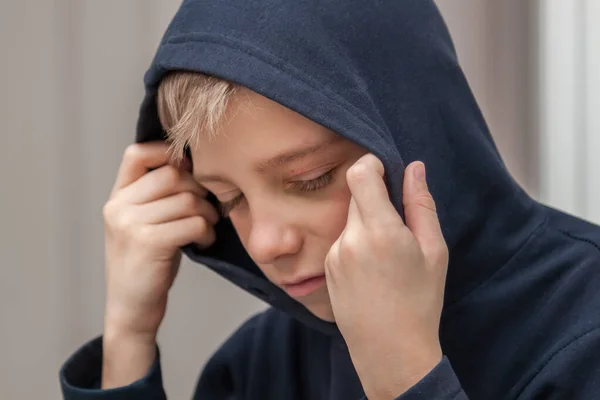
(71, 83)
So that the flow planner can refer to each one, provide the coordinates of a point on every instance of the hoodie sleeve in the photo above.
(571, 372)
(441, 383)
(221, 379)
(80, 378)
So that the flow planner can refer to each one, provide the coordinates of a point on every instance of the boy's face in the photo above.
(283, 177)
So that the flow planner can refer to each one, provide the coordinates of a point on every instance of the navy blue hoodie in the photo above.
(521, 317)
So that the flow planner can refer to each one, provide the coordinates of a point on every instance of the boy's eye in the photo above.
(302, 186)
(226, 206)
(314, 184)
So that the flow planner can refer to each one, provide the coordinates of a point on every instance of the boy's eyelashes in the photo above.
(226, 206)
(310, 185)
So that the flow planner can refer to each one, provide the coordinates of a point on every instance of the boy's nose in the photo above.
(270, 239)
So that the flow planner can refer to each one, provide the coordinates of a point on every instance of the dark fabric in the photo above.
(81, 375)
(522, 309)
(440, 383)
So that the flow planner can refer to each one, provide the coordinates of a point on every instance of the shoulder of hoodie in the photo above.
(576, 228)
(567, 248)
(581, 256)
(571, 366)
(576, 351)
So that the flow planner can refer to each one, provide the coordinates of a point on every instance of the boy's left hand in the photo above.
(386, 280)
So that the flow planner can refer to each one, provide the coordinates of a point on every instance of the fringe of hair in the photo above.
(190, 104)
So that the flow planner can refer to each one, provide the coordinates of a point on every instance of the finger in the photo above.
(354, 220)
(177, 206)
(420, 210)
(184, 231)
(162, 182)
(365, 180)
(138, 159)
(331, 259)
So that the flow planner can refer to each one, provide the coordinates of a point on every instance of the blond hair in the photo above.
(190, 104)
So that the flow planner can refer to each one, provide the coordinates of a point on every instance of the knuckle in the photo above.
(356, 172)
(442, 255)
(201, 224)
(439, 254)
(348, 247)
(374, 161)
(115, 217)
(328, 259)
(123, 222)
(188, 200)
(379, 240)
(203, 231)
(386, 233)
(170, 174)
(108, 211)
(210, 236)
(146, 236)
(426, 201)
(132, 152)
(209, 212)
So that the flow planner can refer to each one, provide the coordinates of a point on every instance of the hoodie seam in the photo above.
(554, 354)
(458, 392)
(283, 66)
(579, 239)
(534, 233)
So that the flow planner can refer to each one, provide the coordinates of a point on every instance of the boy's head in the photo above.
(279, 176)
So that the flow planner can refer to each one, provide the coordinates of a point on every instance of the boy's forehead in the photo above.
(261, 156)
(264, 158)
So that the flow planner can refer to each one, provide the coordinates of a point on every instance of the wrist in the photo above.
(394, 380)
(119, 323)
(115, 336)
(126, 358)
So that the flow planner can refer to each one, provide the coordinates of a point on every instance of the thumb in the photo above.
(420, 210)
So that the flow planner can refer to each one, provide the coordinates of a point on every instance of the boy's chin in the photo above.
(323, 312)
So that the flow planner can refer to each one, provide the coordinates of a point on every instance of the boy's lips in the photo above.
(304, 286)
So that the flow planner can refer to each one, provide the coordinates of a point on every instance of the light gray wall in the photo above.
(71, 84)
(497, 46)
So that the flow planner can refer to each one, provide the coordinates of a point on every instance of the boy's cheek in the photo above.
(333, 217)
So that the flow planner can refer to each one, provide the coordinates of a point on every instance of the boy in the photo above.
(290, 113)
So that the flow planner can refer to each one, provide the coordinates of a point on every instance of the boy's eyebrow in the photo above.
(292, 155)
(280, 159)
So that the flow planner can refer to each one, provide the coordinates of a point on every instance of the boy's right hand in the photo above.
(154, 209)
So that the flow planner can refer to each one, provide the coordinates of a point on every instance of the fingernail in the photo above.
(419, 172)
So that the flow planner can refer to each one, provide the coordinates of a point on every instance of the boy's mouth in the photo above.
(304, 286)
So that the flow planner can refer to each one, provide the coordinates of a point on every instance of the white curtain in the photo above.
(71, 82)
(570, 105)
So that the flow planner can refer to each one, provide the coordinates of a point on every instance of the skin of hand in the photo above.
(155, 208)
(386, 280)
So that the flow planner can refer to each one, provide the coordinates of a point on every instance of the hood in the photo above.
(383, 74)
